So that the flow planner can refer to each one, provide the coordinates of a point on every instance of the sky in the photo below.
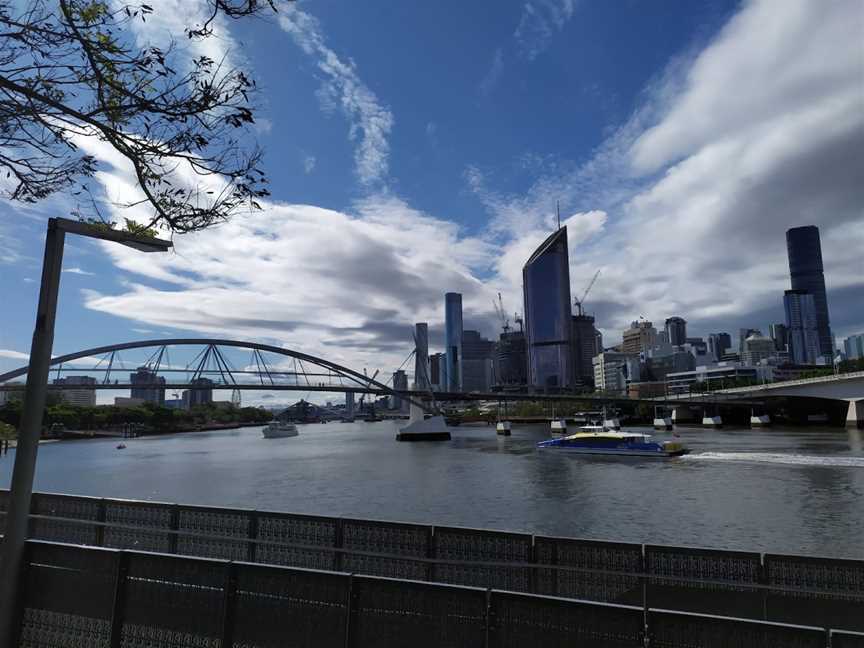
(419, 148)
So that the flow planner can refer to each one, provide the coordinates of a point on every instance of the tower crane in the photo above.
(499, 309)
(578, 302)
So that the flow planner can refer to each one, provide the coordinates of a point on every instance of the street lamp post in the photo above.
(21, 488)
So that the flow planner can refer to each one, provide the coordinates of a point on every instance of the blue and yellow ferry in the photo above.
(596, 439)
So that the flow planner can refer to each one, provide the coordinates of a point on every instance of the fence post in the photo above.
(175, 527)
(100, 527)
(337, 555)
(252, 549)
(349, 610)
(762, 579)
(532, 571)
(229, 604)
(643, 568)
(488, 619)
(430, 553)
(121, 570)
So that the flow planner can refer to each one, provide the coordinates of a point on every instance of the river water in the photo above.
(782, 490)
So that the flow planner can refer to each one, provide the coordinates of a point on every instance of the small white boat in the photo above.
(279, 430)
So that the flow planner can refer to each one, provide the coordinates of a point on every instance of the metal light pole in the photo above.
(21, 489)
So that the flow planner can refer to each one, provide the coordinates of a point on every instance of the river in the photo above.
(782, 490)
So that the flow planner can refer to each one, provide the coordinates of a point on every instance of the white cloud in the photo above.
(78, 271)
(15, 355)
(309, 163)
(762, 131)
(540, 21)
(490, 80)
(370, 122)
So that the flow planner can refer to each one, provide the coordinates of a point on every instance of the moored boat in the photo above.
(279, 429)
(605, 442)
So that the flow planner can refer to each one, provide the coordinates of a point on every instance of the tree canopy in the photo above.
(74, 69)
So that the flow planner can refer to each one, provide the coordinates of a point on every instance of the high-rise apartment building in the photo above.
(780, 334)
(546, 291)
(150, 390)
(583, 345)
(84, 395)
(421, 356)
(854, 347)
(400, 384)
(676, 329)
(614, 371)
(478, 355)
(801, 320)
(437, 368)
(453, 341)
(805, 270)
(719, 344)
(201, 395)
(758, 348)
(639, 338)
(511, 362)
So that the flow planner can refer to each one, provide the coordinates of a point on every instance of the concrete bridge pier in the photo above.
(855, 414)
(684, 414)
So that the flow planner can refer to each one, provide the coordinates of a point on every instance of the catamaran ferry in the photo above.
(595, 439)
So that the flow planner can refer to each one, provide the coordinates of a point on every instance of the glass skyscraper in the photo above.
(805, 268)
(676, 329)
(453, 341)
(801, 322)
(546, 288)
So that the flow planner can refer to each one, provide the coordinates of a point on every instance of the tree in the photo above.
(72, 69)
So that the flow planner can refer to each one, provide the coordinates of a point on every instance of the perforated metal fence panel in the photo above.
(221, 525)
(841, 603)
(725, 576)
(66, 506)
(841, 639)
(138, 525)
(173, 601)
(289, 607)
(589, 554)
(305, 530)
(390, 538)
(389, 613)
(687, 630)
(519, 621)
(67, 597)
(451, 543)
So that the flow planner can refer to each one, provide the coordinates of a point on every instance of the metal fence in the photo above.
(107, 598)
(823, 592)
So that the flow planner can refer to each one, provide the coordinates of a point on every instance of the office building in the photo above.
(719, 344)
(613, 371)
(546, 292)
(437, 362)
(698, 345)
(801, 320)
(854, 347)
(400, 384)
(758, 348)
(583, 345)
(150, 390)
(453, 341)
(84, 395)
(422, 377)
(780, 334)
(511, 360)
(716, 376)
(349, 405)
(676, 330)
(640, 337)
(202, 394)
(478, 356)
(657, 367)
(743, 334)
(805, 270)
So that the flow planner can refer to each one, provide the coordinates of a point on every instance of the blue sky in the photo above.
(416, 148)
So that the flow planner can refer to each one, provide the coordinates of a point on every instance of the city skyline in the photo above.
(425, 207)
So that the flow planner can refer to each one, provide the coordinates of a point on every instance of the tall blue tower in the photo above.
(453, 341)
(805, 268)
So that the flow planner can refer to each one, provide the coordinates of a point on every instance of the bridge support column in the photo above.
(855, 414)
(684, 414)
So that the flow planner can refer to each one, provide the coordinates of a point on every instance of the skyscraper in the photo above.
(854, 346)
(805, 269)
(422, 378)
(743, 334)
(676, 329)
(801, 321)
(510, 360)
(477, 358)
(780, 334)
(546, 291)
(84, 395)
(148, 393)
(583, 344)
(640, 337)
(453, 341)
(718, 344)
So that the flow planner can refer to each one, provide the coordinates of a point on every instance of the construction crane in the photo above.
(578, 302)
(499, 309)
(517, 318)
